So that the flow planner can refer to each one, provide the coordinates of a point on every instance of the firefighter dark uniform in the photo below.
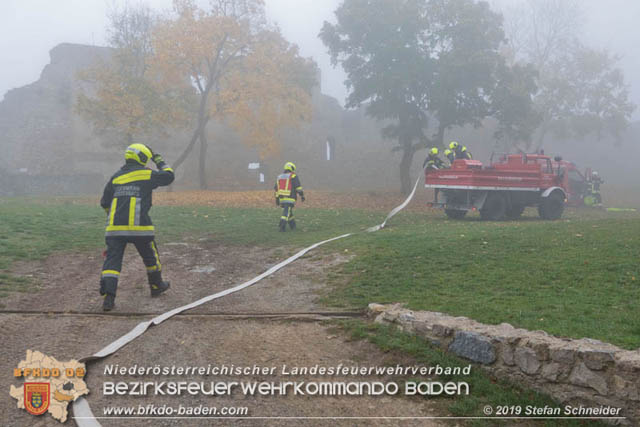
(450, 155)
(594, 188)
(287, 188)
(127, 200)
(433, 162)
(460, 151)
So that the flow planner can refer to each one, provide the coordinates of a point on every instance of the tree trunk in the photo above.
(202, 170)
(405, 165)
(203, 119)
(440, 137)
(540, 140)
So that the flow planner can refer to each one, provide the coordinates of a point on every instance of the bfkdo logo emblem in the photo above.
(36, 397)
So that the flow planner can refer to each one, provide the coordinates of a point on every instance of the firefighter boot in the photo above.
(283, 225)
(108, 286)
(156, 283)
(292, 224)
(109, 302)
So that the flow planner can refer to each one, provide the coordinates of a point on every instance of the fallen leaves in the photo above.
(376, 201)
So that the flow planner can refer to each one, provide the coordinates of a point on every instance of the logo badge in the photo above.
(36, 397)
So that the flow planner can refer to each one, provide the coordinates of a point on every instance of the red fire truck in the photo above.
(505, 187)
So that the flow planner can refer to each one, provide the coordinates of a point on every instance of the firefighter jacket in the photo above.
(433, 162)
(127, 197)
(462, 153)
(449, 155)
(288, 187)
(595, 184)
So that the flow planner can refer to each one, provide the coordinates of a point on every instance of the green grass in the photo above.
(483, 389)
(33, 228)
(578, 277)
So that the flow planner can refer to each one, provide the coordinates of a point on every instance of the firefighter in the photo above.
(594, 188)
(450, 156)
(287, 188)
(433, 161)
(459, 151)
(127, 200)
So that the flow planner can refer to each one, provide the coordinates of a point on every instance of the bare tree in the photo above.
(130, 33)
(580, 90)
(539, 31)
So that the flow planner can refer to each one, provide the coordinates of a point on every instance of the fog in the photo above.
(30, 28)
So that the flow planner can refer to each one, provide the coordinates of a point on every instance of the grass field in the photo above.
(578, 277)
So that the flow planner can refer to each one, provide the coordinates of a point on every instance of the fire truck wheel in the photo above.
(515, 211)
(495, 207)
(455, 214)
(551, 207)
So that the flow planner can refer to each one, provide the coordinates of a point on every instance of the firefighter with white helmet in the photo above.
(287, 188)
(594, 187)
(127, 200)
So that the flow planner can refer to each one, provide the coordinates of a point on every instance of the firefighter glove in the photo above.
(157, 159)
(277, 202)
(302, 197)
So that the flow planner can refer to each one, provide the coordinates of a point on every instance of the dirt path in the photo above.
(196, 269)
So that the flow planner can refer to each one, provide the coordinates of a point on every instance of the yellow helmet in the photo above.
(434, 151)
(453, 145)
(289, 167)
(140, 153)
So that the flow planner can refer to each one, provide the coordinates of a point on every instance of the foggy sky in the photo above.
(30, 28)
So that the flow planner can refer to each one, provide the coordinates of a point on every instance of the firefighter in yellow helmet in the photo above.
(459, 151)
(450, 155)
(433, 162)
(127, 200)
(287, 188)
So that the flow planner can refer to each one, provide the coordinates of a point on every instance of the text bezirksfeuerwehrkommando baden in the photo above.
(334, 387)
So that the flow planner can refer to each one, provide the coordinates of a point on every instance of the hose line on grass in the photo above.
(82, 411)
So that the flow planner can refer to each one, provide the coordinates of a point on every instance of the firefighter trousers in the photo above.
(287, 211)
(147, 249)
(287, 216)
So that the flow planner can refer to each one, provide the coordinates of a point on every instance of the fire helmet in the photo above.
(453, 145)
(434, 151)
(289, 167)
(139, 153)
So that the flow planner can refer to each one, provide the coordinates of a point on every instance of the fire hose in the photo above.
(82, 411)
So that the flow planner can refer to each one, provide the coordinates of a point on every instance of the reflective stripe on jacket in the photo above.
(287, 187)
(127, 197)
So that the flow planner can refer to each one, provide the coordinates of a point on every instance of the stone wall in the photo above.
(574, 372)
(42, 135)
